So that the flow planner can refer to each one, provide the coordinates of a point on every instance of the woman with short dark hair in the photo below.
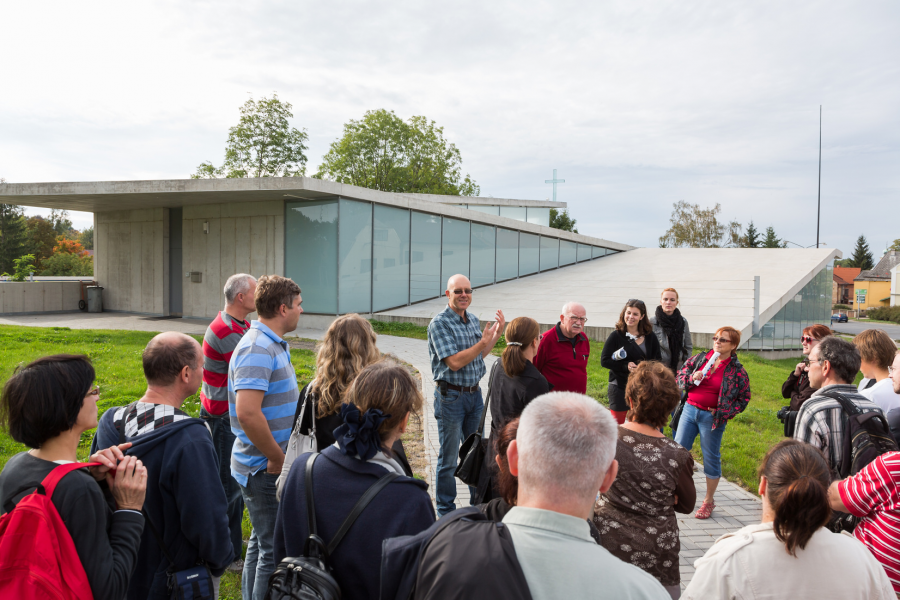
(797, 388)
(47, 405)
(636, 516)
(790, 554)
(631, 343)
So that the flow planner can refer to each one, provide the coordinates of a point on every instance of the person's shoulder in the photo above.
(622, 574)
(730, 544)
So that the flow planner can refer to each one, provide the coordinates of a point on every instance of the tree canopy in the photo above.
(862, 256)
(895, 245)
(12, 236)
(562, 220)
(751, 239)
(771, 240)
(383, 152)
(695, 227)
(40, 238)
(262, 144)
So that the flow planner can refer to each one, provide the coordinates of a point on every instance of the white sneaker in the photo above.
(236, 567)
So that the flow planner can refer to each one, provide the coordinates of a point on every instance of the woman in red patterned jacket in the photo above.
(715, 396)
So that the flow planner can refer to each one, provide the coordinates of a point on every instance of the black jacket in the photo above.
(618, 369)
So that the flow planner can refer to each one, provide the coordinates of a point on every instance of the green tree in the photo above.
(40, 238)
(262, 144)
(895, 245)
(862, 256)
(23, 267)
(12, 235)
(86, 237)
(695, 227)
(69, 258)
(771, 240)
(562, 220)
(751, 239)
(61, 223)
(383, 152)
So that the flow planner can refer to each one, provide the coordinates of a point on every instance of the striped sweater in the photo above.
(222, 337)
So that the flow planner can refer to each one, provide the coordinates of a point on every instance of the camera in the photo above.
(789, 418)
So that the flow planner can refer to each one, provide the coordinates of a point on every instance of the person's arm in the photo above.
(684, 375)
(654, 349)
(687, 342)
(540, 359)
(613, 343)
(248, 406)
(789, 387)
(871, 490)
(460, 359)
(834, 497)
(685, 491)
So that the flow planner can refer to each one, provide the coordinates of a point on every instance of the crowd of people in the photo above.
(572, 499)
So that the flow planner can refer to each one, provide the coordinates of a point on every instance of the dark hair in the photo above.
(876, 347)
(644, 326)
(389, 387)
(164, 359)
(42, 399)
(843, 356)
(818, 331)
(507, 483)
(271, 292)
(654, 393)
(797, 477)
(523, 330)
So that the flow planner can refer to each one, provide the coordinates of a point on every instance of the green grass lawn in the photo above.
(116, 356)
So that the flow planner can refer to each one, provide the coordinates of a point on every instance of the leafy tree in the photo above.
(262, 144)
(695, 227)
(862, 256)
(23, 267)
(562, 220)
(751, 239)
(771, 240)
(69, 258)
(895, 245)
(12, 235)
(40, 238)
(383, 152)
(60, 221)
(86, 238)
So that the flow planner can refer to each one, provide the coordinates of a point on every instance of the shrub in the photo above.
(885, 313)
(841, 307)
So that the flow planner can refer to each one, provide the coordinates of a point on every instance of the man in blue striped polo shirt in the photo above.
(262, 398)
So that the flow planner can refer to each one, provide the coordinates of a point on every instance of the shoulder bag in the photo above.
(471, 453)
(298, 443)
(194, 583)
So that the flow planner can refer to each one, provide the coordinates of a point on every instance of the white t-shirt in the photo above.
(882, 394)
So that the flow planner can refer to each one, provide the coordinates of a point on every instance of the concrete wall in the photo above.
(39, 296)
(244, 237)
(132, 259)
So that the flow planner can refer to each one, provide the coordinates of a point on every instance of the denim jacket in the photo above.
(735, 392)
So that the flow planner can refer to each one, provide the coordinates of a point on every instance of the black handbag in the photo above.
(309, 577)
(471, 453)
(676, 416)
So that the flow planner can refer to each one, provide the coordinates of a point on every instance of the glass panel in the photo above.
(809, 306)
(597, 251)
(483, 255)
(566, 252)
(425, 257)
(549, 253)
(455, 255)
(390, 249)
(584, 252)
(491, 210)
(507, 254)
(539, 216)
(513, 212)
(355, 257)
(529, 253)
(310, 253)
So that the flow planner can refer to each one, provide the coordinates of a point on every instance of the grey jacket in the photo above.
(664, 343)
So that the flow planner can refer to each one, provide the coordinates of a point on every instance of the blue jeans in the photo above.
(223, 441)
(695, 421)
(259, 496)
(457, 416)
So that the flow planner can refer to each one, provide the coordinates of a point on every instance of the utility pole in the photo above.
(819, 202)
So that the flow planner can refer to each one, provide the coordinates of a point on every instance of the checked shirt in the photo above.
(449, 334)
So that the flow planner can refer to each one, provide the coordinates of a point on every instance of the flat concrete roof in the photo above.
(715, 286)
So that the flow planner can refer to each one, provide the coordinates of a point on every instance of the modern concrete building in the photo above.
(166, 248)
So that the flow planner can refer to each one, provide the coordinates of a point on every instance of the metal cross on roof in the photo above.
(554, 181)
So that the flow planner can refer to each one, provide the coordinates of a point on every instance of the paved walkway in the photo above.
(735, 507)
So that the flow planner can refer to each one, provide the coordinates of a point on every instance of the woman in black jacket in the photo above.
(515, 382)
(631, 343)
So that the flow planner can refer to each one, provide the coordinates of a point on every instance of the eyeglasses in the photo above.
(94, 392)
(574, 318)
(806, 360)
(808, 339)
(721, 339)
(467, 291)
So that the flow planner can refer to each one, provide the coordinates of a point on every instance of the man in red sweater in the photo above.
(562, 356)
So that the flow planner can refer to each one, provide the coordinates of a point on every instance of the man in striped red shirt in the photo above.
(222, 336)
(873, 495)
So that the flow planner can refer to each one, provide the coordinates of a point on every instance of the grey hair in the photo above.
(843, 356)
(569, 305)
(237, 284)
(566, 442)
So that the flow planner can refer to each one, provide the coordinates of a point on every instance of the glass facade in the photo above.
(519, 213)
(811, 305)
(356, 256)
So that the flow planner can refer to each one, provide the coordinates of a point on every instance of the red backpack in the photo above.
(37, 556)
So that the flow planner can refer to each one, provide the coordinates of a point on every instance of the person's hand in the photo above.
(129, 486)
(801, 367)
(491, 334)
(501, 322)
(274, 468)
(697, 376)
(108, 459)
(631, 367)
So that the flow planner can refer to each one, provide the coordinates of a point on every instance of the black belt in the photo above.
(458, 388)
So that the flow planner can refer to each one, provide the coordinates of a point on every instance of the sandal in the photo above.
(705, 510)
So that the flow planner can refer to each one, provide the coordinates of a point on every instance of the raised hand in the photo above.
(108, 458)
(129, 486)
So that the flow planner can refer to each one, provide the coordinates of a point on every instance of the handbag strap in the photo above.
(487, 400)
(159, 539)
(360, 505)
(310, 503)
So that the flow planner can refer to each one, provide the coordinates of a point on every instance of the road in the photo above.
(854, 327)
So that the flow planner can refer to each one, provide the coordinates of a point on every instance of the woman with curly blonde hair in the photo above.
(347, 348)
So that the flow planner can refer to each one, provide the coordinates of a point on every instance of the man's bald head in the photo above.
(458, 282)
(167, 355)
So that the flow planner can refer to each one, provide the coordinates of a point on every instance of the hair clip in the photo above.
(513, 343)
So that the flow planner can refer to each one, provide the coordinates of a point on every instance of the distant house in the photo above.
(875, 285)
(842, 289)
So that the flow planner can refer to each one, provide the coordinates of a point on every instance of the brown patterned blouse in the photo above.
(636, 516)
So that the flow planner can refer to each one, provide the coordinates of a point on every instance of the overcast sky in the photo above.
(637, 104)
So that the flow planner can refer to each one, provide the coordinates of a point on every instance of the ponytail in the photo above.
(797, 480)
(520, 333)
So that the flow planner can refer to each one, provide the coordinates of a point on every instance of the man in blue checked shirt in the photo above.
(457, 348)
(262, 398)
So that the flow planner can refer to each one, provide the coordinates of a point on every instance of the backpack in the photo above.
(309, 577)
(37, 555)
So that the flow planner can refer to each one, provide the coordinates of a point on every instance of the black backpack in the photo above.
(309, 577)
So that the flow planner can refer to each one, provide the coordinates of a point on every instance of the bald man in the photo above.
(185, 500)
(457, 348)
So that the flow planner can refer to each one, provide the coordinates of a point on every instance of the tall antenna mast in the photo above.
(819, 202)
